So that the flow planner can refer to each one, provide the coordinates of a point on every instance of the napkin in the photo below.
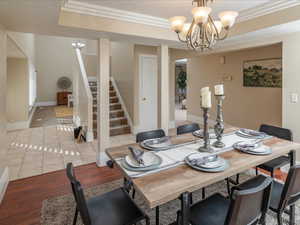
(137, 155)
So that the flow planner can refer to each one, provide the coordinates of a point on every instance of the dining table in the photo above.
(180, 180)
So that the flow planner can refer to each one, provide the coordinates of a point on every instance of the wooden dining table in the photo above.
(178, 182)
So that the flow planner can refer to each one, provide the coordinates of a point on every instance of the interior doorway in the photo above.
(180, 91)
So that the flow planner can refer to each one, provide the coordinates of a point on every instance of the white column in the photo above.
(103, 100)
(163, 66)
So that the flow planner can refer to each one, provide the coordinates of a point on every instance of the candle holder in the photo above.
(206, 147)
(219, 127)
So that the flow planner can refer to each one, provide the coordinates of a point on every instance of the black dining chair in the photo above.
(244, 207)
(273, 165)
(283, 196)
(113, 208)
(187, 128)
(142, 136)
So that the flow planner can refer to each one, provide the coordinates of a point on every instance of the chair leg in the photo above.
(256, 171)
(292, 215)
(133, 193)
(228, 186)
(272, 173)
(75, 217)
(178, 219)
(157, 215)
(279, 219)
(203, 193)
(147, 220)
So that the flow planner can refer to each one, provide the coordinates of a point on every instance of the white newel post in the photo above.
(163, 72)
(103, 100)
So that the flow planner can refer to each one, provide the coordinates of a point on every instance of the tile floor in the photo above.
(41, 150)
(49, 145)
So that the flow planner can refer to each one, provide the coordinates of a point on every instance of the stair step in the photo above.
(113, 100)
(116, 114)
(113, 106)
(120, 130)
(112, 114)
(114, 122)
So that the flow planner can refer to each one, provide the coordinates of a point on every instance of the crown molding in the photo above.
(127, 16)
(267, 8)
(111, 13)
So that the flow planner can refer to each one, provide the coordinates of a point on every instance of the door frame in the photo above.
(141, 57)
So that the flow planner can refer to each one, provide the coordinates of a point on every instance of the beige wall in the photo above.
(17, 90)
(243, 106)
(122, 57)
(55, 57)
(3, 45)
(25, 42)
(291, 84)
(90, 62)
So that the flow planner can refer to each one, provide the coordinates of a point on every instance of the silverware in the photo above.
(137, 155)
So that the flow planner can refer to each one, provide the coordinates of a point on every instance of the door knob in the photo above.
(144, 99)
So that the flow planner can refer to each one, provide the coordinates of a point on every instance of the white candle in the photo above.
(206, 100)
(204, 90)
(219, 89)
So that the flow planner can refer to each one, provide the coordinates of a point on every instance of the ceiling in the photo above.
(41, 17)
(168, 8)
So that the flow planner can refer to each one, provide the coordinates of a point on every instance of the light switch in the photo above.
(294, 97)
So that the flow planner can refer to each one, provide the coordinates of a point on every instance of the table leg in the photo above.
(185, 207)
(292, 155)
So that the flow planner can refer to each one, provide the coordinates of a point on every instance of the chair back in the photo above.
(150, 135)
(187, 128)
(279, 132)
(78, 195)
(291, 189)
(250, 205)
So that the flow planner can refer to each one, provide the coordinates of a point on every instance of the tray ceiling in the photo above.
(169, 8)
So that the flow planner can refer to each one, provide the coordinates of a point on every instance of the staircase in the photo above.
(118, 121)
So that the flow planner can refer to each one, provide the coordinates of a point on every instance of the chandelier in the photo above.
(204, 31)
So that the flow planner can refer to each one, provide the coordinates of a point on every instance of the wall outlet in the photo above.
(294, 97)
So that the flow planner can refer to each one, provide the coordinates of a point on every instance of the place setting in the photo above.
(252, 147)
(209, 163)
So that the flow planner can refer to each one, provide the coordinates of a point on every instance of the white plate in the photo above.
(149, 158)
(209, 165)
(158, 143)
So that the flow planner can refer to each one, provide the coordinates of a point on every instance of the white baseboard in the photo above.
(103, 158)
(50, 103)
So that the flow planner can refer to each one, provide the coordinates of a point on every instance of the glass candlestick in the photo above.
(206, 146)
(219, 127)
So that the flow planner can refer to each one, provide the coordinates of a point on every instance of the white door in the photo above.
(148, 92)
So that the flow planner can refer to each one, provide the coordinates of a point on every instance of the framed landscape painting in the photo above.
(263, 73)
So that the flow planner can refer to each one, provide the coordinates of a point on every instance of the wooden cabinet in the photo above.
(62, 97)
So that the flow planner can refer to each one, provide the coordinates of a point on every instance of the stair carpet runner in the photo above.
(118, 121)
